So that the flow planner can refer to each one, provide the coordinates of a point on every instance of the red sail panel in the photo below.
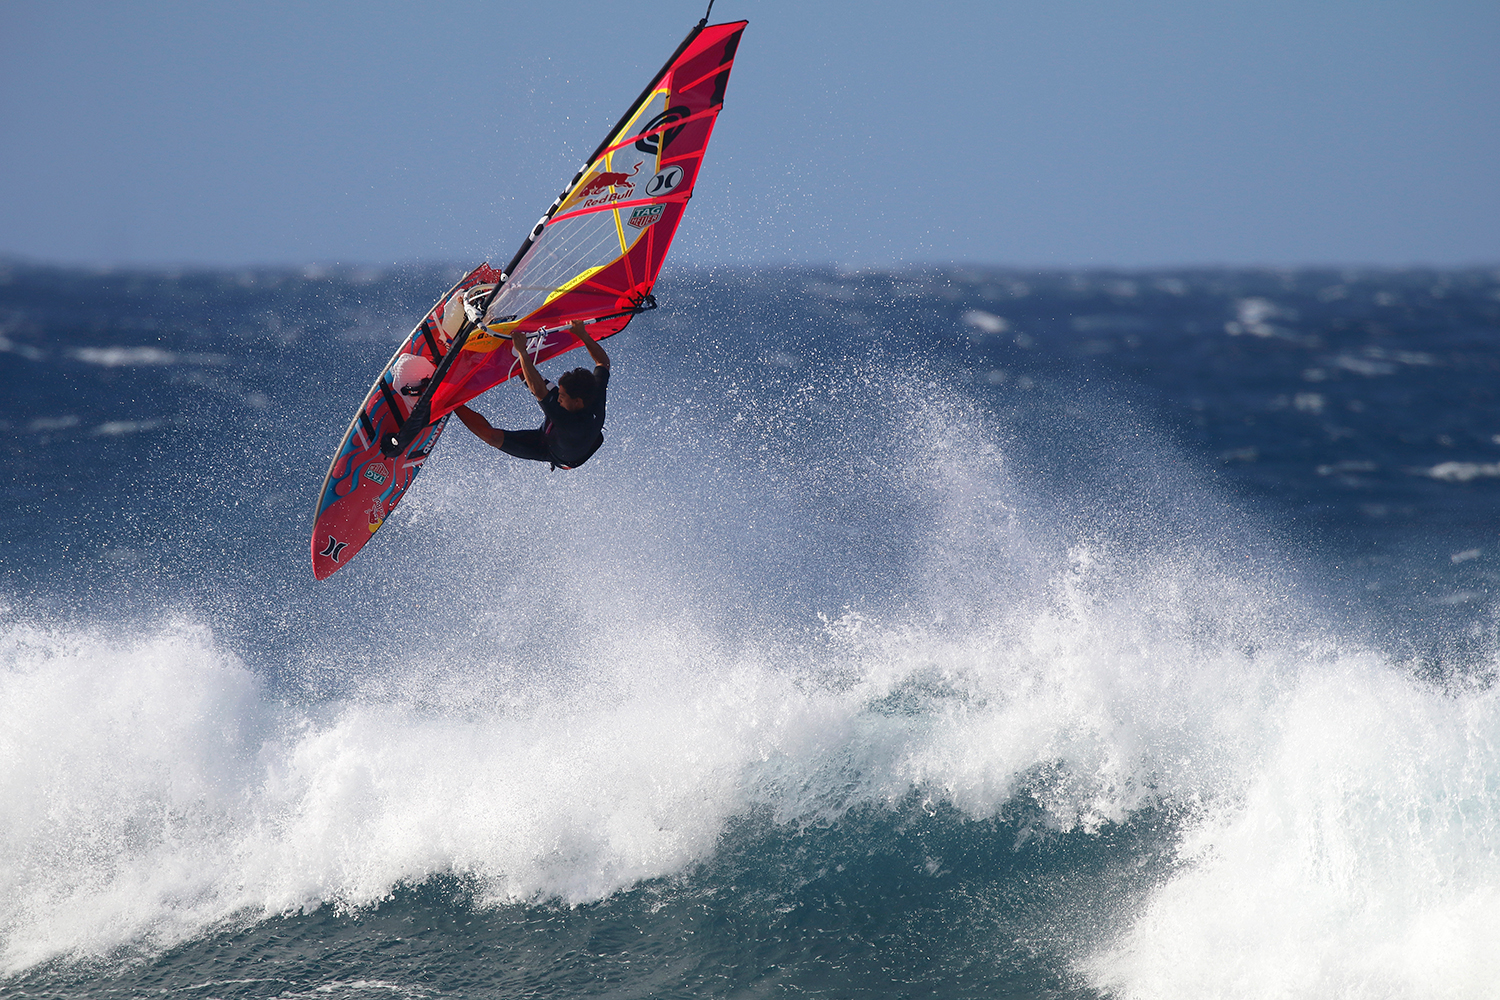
(599, 250)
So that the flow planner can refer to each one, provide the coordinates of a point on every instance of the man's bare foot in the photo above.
(474, 301)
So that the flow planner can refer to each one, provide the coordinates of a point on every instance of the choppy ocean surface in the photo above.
(926, 633)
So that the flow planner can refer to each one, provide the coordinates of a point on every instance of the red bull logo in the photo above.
(606, 180)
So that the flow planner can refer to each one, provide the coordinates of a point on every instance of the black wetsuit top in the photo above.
(572, 437)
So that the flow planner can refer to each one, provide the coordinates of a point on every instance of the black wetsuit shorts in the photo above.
(531, 445)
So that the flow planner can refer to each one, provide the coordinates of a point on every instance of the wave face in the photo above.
(918, 633)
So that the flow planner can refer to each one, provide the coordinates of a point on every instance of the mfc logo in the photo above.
(664, 181)
(658, 142)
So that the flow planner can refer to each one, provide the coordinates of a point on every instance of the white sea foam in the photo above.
(43, 424)
(1461, 472)
(1341, 818)
(117, 357)
(119, 428)
(1346, 844)
(985, 322)
(1359, 857)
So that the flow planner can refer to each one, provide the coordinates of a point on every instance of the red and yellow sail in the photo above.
(594, 257)
(596, 254)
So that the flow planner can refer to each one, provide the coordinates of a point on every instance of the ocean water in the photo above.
(917, 633)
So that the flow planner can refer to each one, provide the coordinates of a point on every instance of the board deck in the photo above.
(363, 486)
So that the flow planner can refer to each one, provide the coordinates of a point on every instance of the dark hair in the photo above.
(580, 384)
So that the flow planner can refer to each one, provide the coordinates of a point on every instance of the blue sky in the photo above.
(1095, 134)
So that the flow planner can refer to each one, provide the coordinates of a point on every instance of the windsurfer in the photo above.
(574, 408)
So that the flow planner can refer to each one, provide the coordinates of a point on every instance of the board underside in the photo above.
(363, 486)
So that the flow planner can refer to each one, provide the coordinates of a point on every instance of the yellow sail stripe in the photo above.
(575, 281)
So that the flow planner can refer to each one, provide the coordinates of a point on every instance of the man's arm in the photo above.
(481, 427)
(581, 331)
(534, 380)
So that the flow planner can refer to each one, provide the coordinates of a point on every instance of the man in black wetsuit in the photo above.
(574, 409)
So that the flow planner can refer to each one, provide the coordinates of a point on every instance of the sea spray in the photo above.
(868, 657)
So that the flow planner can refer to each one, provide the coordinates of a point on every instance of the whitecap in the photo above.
(117, 357)
(62, 423)
(117, 428)
(985, 322)
(1462, 472)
